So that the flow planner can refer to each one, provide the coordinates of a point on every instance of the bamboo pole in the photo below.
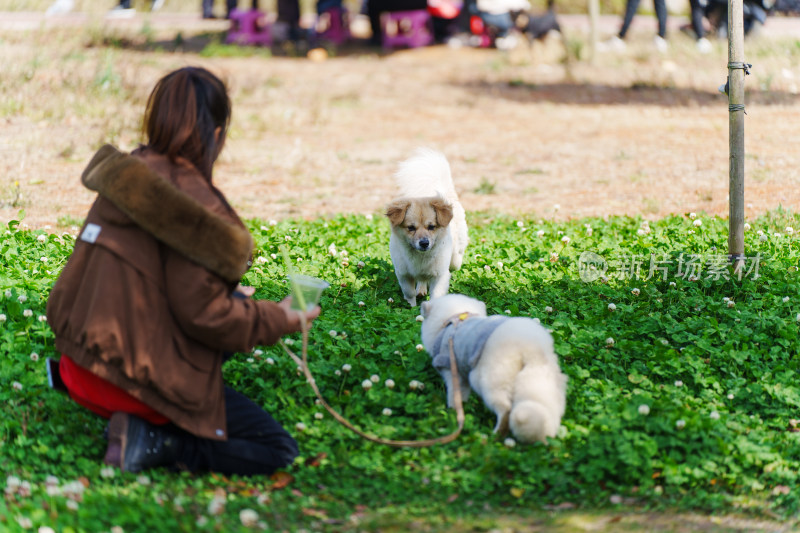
(736, 74)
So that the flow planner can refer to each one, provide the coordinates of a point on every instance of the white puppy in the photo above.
(429, 229)
(508, 361)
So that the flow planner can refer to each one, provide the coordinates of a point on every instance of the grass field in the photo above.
(683, 397)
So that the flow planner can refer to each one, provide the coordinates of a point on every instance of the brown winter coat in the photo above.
(145, 300)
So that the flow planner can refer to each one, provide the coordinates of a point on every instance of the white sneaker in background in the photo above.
(661, 44)
(703, 45)
(614, 44)
(60, 7)
(119, 12)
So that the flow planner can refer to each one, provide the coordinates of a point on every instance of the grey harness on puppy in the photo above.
(469, 336)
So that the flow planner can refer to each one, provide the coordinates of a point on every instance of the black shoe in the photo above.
(135, 445)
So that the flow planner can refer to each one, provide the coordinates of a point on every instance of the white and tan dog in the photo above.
(507, 361)
(429, 228)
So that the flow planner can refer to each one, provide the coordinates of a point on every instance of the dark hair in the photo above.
(183, 112)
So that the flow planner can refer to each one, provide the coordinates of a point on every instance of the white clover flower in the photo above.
(520, 224)
(789, 230)
(537, 320)
(300, 426)
(366, 384)
(24, 522)
(553, 257)
(251, 360)
(678, 383)
(420, 318)
(337, 372)
(287, 238)
(612, 307)
(785, 299)
(107, 472)
(274, 256)
(248, 517)
(680, 424)
(41, 318)
(34, 356)
(507, 311)
(697, 223)
(361, 264)
(386, 412)
(217, 506)
(556, 207)
(797, 318)
(143, 480)
(261, 260)
(565, 239)
(13, 482)
(270, 361)
(319, 416)
(725, 299)
(72, 505)
(22, 298)
(746, 226)
(778, 235)
(16, 385)
(390, 300)
(673, 284)
(644, 409)
(589, 232)
(420, 347)
(635, 291)
(389, 383)
(332, 250)
(415, 385)
(27, 313)
(548, 309)
(762, 237)
(8, 293)
(509, 443)
(332, 333)
(47, 529)
(51, 481)
(487, 268)
(714, 415)
(346, 367)
(540, 233)
(41, 238)
(730, 396)
(201, 521)
(273, 222)
(731, 303)
(610, 341)
(692, 215)
(374, 378)
(361, 304)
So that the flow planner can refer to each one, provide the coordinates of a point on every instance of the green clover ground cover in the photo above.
(682, 395)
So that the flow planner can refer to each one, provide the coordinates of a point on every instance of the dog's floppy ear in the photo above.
(444, 211)
(396, 211)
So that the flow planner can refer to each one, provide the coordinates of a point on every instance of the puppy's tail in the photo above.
(539, 403)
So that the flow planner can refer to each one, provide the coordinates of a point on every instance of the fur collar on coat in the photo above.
(170, 215)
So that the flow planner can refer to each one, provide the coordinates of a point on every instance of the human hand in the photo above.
(293, 322)
(247, 292)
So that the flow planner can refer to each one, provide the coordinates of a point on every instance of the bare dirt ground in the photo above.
(527, 133)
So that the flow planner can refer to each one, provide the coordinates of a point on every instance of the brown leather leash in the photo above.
(303, 364)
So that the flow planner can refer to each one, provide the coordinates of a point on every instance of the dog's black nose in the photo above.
(424, 243)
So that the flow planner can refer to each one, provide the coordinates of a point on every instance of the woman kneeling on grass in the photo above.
(148, 305)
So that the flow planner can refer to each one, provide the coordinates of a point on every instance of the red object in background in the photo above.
(476, 25)
(444, 9)
(102, 397)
